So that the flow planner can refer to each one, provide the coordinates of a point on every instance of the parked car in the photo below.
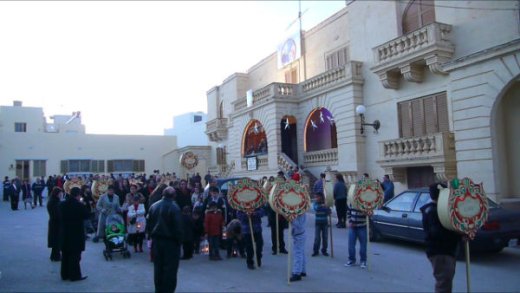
(401, 218)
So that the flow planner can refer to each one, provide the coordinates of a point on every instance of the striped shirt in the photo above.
(356, 218)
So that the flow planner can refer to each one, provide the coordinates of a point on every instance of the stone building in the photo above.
(440, 77)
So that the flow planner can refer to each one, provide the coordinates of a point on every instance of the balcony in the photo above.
(216, 129)
(320, 158)
(351, 71)
(409, 54)
(436, 150)
(273, 90)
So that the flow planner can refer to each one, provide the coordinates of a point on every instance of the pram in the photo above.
(115, 237)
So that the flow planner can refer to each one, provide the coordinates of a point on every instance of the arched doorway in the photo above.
(320, 131)
(288, 133)
(254, 141)
(507, 142)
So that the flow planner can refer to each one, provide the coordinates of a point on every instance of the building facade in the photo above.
(440, 77)
(189, 129)
(30, 147)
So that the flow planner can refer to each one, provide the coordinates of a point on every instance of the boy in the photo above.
(322, 214)
(298, 234)
(213, 225)
(234, 234)
(357, 225)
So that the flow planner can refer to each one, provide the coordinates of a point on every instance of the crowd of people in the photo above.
(179, 218)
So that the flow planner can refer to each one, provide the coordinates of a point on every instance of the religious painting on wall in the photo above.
(255, 139)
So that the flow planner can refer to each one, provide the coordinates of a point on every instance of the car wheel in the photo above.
(373, 234)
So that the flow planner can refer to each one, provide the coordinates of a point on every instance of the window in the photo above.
(255, 139)
(291, 76)
(417, 14)
(125, 165)
(97, 166)
(320, 131)
(337, 58)
(82, 166)
(426, 115)
(39, 168)
(197, 118)
(424, 198)
(20, 127)
(402, 202)
(221, 156)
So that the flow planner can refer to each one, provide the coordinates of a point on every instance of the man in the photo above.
(73, 214)
(167, 236)
(388, 188)
(6, 188)
(37, 188)
(357, 225)
(107, 205)
(318, 186)
(340, 198)
(15, 194)
(441, 244)
(282, 225)
(256, 220)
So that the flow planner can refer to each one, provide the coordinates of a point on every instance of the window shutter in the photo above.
(110, 166)
(405, 121)
(417, 117)
(411, 17)
(64, 166)
(442, 112)
(430, 118)
(427, 12)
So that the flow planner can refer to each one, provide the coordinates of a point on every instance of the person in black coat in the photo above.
(73, 214)
(53, 234)
(15, 194)
(188, 226)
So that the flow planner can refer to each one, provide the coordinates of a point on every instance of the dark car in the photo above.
(401, 218)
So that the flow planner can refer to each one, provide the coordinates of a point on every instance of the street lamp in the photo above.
(360, 110)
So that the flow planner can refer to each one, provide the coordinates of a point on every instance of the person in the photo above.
(6, 188)
(26, 194)
(319, 185)
(282, 225)
(298, 235)
(214, 196)
(167, 235)
(15, 195)
(188, 226)
(322, 213)
(290, 173)
(156, 194)
(107, 205)
(196, 196)
(73, 214)
(198, 228)
(388, 188)
(183, 195)
(357, 225)
(129, 199)
(441, 243)
(89, 202)
(256, 220)
(213, 226)
(234, 237)
(53, 232)
(37, 187)
(207, 178)
(340, 199)
(198, 179)
(136, 223)
(296, 175)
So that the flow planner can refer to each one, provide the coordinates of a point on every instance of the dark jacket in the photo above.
(271, 218)
(340, 190)
(165, 221)
(53, 234)
(38, 187)
(439, 240)
(73, 214)
(256, 221)
(26, 191)
(183, 198)
(188, 227)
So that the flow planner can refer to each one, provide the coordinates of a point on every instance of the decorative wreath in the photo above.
(99, 187)
(246, 196)
(69, 184)
(189, 160)
(290, 199)
(366, 196)
(464, 208)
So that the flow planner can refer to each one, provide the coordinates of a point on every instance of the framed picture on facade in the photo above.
(251, 163)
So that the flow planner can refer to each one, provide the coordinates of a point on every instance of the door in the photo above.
(415, 217)
(288, 133)
(393, 219)
(22, 169)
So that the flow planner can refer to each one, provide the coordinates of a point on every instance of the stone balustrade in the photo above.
(408, 54)
(216, 129)
(328, 78)
(318, 158)
(415, 147)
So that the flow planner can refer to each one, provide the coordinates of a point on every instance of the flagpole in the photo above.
(302, 43)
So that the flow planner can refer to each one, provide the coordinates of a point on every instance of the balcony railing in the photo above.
(321, 157)
(350, 71)
(273, 90)
(216, 129)
(406, 55)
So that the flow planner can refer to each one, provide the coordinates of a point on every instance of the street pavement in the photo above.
(395, 266)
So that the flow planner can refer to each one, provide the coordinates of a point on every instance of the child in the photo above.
(136, 223)
(213, 225)
(298, 234)
(234, 234)
(322, 214)
(187, 244)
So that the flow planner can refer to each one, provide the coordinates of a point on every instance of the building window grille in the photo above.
(39, 168)
(20, 127)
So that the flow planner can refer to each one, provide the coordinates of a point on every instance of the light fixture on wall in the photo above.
(360, 110)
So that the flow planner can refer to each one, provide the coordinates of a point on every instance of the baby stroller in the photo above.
(115, 237)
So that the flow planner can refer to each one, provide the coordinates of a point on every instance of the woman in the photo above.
(340, 198)
(88, 201)
(136, 223)
(53, 236)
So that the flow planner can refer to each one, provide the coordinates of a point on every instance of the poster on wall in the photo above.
(251, 164)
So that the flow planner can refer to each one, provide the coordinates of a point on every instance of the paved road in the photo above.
(395, 267)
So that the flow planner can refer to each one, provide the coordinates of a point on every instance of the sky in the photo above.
(130, 67)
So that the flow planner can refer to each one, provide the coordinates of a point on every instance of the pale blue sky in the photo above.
(129, 67)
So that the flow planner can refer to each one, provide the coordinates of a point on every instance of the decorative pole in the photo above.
(468, 276)
(331, 241)
(368, 243)
(252, 239)
(289, 256)
(277, 234)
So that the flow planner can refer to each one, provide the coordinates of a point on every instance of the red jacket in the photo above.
(296, 176)
(213, 223)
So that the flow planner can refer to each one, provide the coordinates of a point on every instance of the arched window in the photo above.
(417, 14)
(255, 139)
(320, 131)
